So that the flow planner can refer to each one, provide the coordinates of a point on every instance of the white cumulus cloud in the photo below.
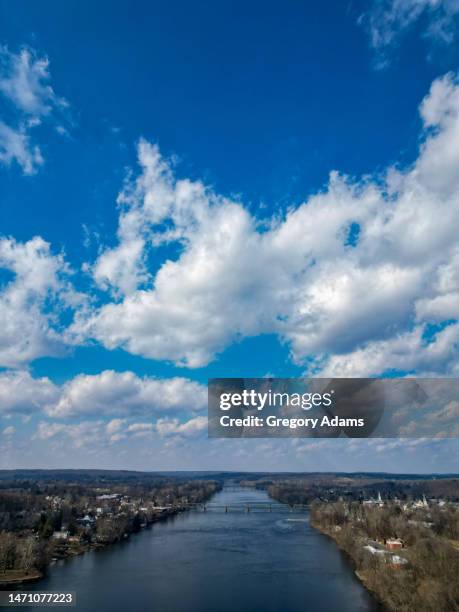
(118, 394)
(31, 301)
(25, 84)
(15, 146)
(344, 303)
(124, 393)
(20, 393)
(188, 429)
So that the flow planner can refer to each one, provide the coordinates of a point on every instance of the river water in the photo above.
(216, 562)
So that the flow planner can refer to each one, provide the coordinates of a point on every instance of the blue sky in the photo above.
(216, 189)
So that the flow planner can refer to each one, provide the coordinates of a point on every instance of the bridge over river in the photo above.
(257, 506)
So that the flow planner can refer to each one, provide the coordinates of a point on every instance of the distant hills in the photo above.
(142, 476)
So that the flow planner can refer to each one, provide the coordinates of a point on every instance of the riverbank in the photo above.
(334, 535)
(66, 550)
(361, 575)
(18, 577)
(415, 572)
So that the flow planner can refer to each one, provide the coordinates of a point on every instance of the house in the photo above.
(374, 550)
(87, 521)
(394, 544)
(103, 510)
(397, 562)
(108, 496)
(61, 535)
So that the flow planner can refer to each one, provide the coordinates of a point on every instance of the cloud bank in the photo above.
(109, 393)
(358, 279)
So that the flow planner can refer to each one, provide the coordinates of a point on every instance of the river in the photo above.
(216, 562)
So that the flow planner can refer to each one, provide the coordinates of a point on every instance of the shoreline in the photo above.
(18, 577)
(360, 576)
